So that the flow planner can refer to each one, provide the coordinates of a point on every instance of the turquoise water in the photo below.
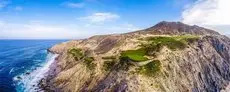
(23, 63)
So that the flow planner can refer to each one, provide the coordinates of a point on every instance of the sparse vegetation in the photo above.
(108, 65)
(123, 65)
(171, 42)
(174, 42)
(76, 53)
(109, 57)
(150, 69)
(88, 61)
(188, 38)
(155, 44)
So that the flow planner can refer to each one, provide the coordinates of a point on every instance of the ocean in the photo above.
(23, 63)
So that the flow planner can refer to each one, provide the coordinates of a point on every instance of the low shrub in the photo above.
(123, 64)
(109, 57)
(109, 65)
(155, 44)
(76, 53)
(79, 55)
(150, 69)
(171, 42)
(88, 61)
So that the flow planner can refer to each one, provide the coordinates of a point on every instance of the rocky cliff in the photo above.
(168, 57)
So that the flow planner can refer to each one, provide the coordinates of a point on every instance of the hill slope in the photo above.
(168, 57)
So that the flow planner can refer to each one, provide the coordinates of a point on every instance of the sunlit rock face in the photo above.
(95, 64)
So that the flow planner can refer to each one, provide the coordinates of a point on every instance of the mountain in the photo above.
(168, 57)
(180, 28)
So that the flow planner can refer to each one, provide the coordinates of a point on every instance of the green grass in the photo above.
(134, 55)
(150, 69)
(137, 58)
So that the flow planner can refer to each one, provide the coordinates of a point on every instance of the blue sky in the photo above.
(73, 19)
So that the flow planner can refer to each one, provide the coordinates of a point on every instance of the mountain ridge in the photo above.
(176, 28)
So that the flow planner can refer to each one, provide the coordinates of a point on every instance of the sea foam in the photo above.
(28, 82)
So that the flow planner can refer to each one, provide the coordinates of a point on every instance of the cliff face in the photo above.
(172, 62)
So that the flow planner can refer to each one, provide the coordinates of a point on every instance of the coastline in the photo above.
(30, 81)
(46, 83)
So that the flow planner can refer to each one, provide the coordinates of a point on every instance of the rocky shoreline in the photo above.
(45, 84)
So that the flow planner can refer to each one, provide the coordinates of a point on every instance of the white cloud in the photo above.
(18, 8)
(4, 3)
(209, 13)
(109, 29)
(100, 17)
(224, 29)
(124, 28)
(39, 30)
(74, 5)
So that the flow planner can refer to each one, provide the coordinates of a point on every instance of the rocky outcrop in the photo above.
(203, 66)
